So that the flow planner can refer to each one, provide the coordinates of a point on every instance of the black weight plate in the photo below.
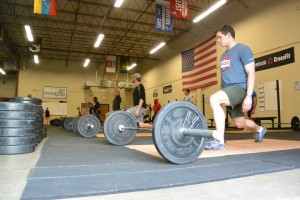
(55, 122)
(295, 123)
(26, 107)
(13, 114)
(62, 120)
(17, 132)
(68, 124)
(167, 139)
(88, 126)
(7, 150)
(13, 141)
(111, 128)
(14, 123)
(26, 100)
(75, 125)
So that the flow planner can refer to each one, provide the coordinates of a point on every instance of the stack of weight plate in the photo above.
(17, 128)
(41, 130)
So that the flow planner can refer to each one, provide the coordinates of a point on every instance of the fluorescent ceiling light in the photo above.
(98, 41)
(118, 3)
(131, 66)
(210, 10)
(86, 62)
(28, 33)
(157, 47)
(36, 59)
(2, 71)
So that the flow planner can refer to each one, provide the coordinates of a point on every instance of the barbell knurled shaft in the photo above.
(196, 132)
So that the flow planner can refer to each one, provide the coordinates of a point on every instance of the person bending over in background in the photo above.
(238, 77)
(156, 108)
(147, 114)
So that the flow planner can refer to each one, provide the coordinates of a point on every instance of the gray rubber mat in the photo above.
(72, 166)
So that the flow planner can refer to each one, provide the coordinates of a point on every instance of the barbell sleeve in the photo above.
(123, 128)
(196, 132)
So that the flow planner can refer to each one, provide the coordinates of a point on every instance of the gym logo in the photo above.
(225, 64)
(276, 59)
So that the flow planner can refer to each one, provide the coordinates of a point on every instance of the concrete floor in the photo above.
(14, 170)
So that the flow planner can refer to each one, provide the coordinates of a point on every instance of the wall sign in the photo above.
(276, 59)
(167, 89)
(54, 92)
(155, 93)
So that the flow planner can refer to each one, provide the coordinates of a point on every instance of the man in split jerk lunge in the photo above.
(238, 77)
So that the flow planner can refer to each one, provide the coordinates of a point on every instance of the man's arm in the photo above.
(254, 105)
(250, 70)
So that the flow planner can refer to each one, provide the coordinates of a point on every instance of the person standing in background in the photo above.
(47, 116)
(116, 101)
(96, 109)
(117, 98)
(187, 96)
(79, 111)
(83, 110)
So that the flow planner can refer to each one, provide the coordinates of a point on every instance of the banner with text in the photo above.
(111, 64)
(179, 9)
(276, 59)
(54, 92)
(163, 20)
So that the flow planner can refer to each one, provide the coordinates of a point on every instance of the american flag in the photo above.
(199, 65)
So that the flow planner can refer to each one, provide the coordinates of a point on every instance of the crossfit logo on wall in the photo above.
(276, 59)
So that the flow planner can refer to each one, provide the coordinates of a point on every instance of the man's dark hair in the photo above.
(139, 79)
(188, 90)
(226, 29)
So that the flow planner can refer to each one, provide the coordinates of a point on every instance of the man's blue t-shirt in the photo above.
(232, 65)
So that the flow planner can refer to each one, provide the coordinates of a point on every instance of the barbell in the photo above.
(179, 131)
(86, 126)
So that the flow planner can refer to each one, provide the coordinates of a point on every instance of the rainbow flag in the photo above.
(45, 7)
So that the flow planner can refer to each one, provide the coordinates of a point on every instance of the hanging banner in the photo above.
(163, 20)
(45, 7)
(179, 9)
(111, 64)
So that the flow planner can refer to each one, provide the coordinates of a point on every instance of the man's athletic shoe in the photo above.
(215, 145)
(259, 136)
